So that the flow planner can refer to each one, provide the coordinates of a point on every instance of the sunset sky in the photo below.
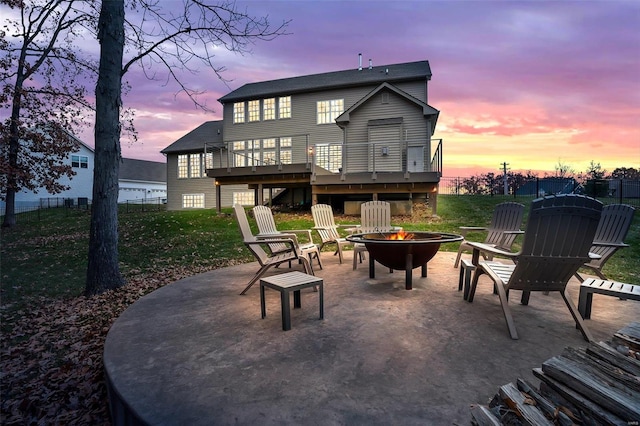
(532, 83)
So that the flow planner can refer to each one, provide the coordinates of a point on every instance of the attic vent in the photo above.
(385, 97)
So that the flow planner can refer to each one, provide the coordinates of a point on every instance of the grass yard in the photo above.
(52, 337)
(47, 258)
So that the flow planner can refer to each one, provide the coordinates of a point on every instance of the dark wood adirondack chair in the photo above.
(501, 233)
(556, 243)
(612, 230)
(267, 258)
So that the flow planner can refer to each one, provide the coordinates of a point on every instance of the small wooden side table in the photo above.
(285, 284)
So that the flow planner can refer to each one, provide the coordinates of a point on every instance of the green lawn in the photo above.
(47, 258)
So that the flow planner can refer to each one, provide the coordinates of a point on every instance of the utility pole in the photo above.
(504, 175)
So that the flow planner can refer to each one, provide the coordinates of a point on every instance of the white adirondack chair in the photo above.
(267, 258)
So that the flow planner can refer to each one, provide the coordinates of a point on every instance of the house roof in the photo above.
(143, 170)
(332, 80)
(427, 110)
(207, 132)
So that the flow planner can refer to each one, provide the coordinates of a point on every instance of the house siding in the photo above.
(303, 119)
(413, 129)
(204, 185)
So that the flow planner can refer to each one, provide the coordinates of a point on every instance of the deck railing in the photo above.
(408, 156)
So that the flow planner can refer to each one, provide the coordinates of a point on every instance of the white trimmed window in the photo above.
(195, 166)
(183, 166)
(268, 152)
(269, 109)
(192, 201)
(244, 198)
(254, 110)
(208, 160)
(328, 111)
(285, 150)
(238, 112)
(239, 155)
(284, 107)
(80, 161)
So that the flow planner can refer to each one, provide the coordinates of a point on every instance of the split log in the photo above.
(524, 407)
(607, 372)
(551, 411)
(483, 416)
(591, 383)
(629, 336)
(608, 353)
(588, 407)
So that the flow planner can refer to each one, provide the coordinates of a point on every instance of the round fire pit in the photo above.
(403, 250)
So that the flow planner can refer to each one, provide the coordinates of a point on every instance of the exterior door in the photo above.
(415, 159)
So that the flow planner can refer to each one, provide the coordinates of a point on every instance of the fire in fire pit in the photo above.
(402, 250)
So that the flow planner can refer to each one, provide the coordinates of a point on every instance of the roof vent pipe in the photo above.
(359, 61)
(370, 64)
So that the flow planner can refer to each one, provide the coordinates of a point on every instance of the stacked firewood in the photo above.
(596, 385)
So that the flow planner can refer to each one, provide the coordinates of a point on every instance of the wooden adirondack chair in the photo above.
(267, 227)
(327, 228)
(612, 230)
(556, 243)
(502, 232)
(375, 216)
(266, 258)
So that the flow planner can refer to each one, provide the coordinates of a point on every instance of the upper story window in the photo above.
(190, 166)
(269, 109)
(284, 107)
(254, 110)
(238, 112)
(208, 160)
(195, 166)
(80, 161)
(183, 166)
(328, 111)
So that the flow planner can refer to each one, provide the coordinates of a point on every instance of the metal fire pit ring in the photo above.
(403, 254)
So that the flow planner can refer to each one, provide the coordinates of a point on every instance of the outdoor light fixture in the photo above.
(385, 150)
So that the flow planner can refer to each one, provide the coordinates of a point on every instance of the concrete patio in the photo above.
(196, 352)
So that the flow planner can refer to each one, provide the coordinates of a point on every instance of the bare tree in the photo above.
(44, 85)
(178, 40)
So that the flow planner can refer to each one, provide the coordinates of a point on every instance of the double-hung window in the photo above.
(195, 166)
(284, 107)
(328, 111)
(238, 112)
(254, 110)
(285, 150)
(268, 152)
(190, 166)
(183, 166)
(269, 109)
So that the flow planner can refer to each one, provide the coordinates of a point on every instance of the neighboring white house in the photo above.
(142, 180)
(138, 179)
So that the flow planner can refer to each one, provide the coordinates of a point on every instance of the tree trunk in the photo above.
(103, 271)
(14, 147)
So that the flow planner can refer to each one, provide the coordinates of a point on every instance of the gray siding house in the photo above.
(339, 138)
